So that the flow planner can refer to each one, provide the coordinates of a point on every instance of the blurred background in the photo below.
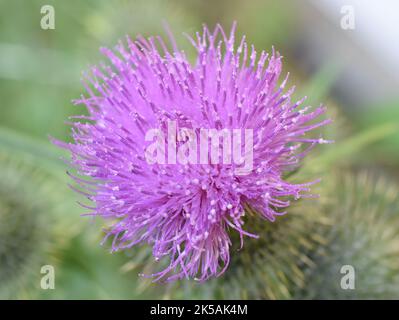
(342, 53)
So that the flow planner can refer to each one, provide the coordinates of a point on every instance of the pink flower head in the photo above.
(185, 207)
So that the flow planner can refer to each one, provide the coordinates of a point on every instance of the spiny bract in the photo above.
(186, 210)
(32, 230)
(362, 241)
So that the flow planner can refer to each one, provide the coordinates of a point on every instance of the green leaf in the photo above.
(43, 154)
(321, 83)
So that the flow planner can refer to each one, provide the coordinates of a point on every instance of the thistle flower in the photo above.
(185, 209)
(362, 234)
